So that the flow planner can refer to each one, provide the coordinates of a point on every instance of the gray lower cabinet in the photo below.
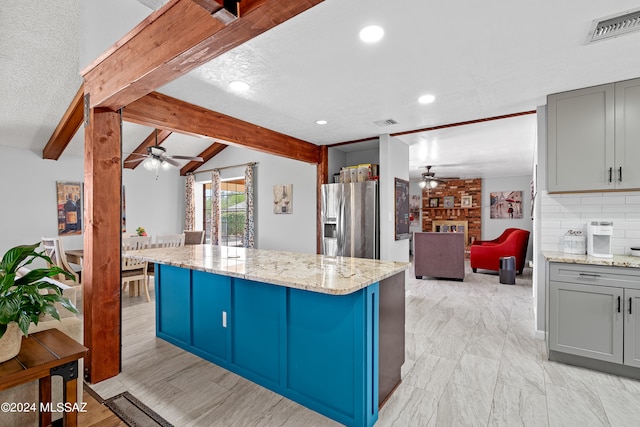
(593, 312)
(632, 328)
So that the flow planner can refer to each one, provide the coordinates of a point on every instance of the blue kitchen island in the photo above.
(304, 326)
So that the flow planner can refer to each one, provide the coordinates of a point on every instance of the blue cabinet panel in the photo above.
(317, 349)
(211, 298)
(256, 327)
(317, 322)
(173, 302)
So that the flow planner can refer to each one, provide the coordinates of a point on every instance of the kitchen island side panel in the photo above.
(317, 349)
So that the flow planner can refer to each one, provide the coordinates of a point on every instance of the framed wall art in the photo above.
(70, 211)
(506, 205)
(465, 201)
(283, 199)
(449, 201)
(401, 195)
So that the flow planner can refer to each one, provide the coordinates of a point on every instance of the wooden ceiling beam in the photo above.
(67, 127)
(162, 48)
(206, 155)
(165, 112)
(156, 137)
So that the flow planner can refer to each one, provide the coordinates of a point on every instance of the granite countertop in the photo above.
(616, 261)
(317, 273)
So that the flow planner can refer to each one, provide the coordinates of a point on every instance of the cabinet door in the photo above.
(632, 327)
(210, 300)
(580, 139)
(586, 320)
(627, 145)
(256, 328)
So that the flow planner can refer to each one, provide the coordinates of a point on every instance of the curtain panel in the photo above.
(215, 207)
(249, 226)
(190, 205)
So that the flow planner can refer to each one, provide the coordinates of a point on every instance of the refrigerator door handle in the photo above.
(340, 226)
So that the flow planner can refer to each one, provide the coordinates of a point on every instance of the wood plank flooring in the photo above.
(97, 414)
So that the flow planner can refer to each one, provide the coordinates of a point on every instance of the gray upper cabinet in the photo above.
(627, 146)
(592, 135)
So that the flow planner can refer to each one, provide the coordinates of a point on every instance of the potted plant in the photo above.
(24, 299)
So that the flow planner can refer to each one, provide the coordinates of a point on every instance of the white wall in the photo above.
(294, 232)
(492, 228)
(158, 205)
(30, 207)
(394, 163)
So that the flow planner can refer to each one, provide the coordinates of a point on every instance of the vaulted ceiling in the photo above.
(487, 59)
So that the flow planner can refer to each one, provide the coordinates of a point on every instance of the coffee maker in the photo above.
(599, 235)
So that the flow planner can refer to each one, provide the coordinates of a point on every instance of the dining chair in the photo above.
(169, 240)
(193, 237)
(54, 249)
(134, 272)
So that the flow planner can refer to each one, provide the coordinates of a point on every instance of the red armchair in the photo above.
(486, 254)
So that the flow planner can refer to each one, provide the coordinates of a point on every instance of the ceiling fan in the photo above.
(429, 179)
(156, 158)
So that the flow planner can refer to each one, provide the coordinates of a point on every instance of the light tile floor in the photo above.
(471, 360)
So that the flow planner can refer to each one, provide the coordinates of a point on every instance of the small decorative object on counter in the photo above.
(140, 231)
(575, 242)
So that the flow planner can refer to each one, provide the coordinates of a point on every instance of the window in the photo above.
(233, 211)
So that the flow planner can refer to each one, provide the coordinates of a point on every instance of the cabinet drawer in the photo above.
(624, 277)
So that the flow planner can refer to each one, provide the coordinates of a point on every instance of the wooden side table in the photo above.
(42, 355)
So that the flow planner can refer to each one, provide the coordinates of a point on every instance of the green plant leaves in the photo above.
(24, 299)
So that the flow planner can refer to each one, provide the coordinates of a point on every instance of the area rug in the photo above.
(134, 412)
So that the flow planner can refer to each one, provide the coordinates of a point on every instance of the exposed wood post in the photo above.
(323, 178)
(103, 228)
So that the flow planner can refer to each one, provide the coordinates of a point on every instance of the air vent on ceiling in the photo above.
(386, 122)
(614, 26)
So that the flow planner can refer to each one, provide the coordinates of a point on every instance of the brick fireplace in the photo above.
(456, 212)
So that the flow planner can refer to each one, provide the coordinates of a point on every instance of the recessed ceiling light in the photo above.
(426, 99)
(239, 86)
(321, 122)
(371, 34)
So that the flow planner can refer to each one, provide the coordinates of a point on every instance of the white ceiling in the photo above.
(487, 59)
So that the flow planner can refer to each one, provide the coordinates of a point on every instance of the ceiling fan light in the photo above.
(433, 184)
(422, 184)
(166, 166)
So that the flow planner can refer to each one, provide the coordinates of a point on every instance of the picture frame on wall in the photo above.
(466, 201)
(449, 201)
(505, 205)
(70, 208)
(401, 199)
(433, 202)
(283, 199)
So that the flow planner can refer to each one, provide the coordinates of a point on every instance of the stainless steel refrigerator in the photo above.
(350, 223)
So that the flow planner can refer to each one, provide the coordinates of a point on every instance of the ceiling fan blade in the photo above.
(135, 160)
(192, 158)
(170, 161)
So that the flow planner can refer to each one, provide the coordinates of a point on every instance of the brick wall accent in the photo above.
(456, 188)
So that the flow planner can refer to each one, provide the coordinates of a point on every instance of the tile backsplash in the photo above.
(563, 212)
